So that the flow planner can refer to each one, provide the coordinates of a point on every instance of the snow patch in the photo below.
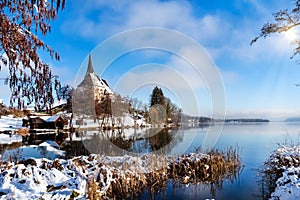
(44, 150)
(287, 186)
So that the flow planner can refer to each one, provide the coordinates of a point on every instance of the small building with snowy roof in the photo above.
(36, 122)
(46, 122)
(56, 121)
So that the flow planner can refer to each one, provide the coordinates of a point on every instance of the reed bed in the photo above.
(213, 167)
(208, 168)
(124, 177)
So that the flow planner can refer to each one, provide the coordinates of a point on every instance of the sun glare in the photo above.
(291, 35)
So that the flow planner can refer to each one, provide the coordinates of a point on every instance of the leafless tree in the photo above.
(21, 21)
(284, 20)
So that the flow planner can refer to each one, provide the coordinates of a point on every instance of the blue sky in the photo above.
(258, 80)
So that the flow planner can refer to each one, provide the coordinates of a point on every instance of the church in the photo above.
(92, 81)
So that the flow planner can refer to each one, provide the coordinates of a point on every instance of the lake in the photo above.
(255, 142)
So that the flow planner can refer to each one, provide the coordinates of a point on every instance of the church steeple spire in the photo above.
(90, 68)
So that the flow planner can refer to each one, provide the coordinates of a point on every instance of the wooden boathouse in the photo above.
(43, 128)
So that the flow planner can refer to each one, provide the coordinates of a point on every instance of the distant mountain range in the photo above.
(247, 120)
(236, 120)
(293, 119)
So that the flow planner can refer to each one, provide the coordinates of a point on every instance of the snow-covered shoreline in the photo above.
(35, 172)
(108, 177)
(284, 163)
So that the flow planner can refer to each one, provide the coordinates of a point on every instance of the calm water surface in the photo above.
(255, 140)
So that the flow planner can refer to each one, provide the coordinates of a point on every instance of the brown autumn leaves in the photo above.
(22, 24)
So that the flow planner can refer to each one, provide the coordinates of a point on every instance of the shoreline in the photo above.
(112, 177)
(281, 173)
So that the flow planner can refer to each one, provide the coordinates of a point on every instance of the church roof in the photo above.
(90, 68)
(93, 80)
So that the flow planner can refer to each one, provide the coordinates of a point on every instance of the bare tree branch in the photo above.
(30, 79)
(284, 20)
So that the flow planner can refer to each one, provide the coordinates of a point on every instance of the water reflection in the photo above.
(119, 142)
(166, 141)
(154, 140)
(4, 147)
(256, 141)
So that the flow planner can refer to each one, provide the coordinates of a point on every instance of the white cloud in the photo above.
(263, 50)
(187, 71)
(65, 73)
(153, 73)
(260, 7)
(219, 32)
(157, 74)
(177, 15)
(197, 68)
(226, 36)
(230, 77)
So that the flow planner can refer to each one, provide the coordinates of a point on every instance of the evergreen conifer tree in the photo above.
(157, 97)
